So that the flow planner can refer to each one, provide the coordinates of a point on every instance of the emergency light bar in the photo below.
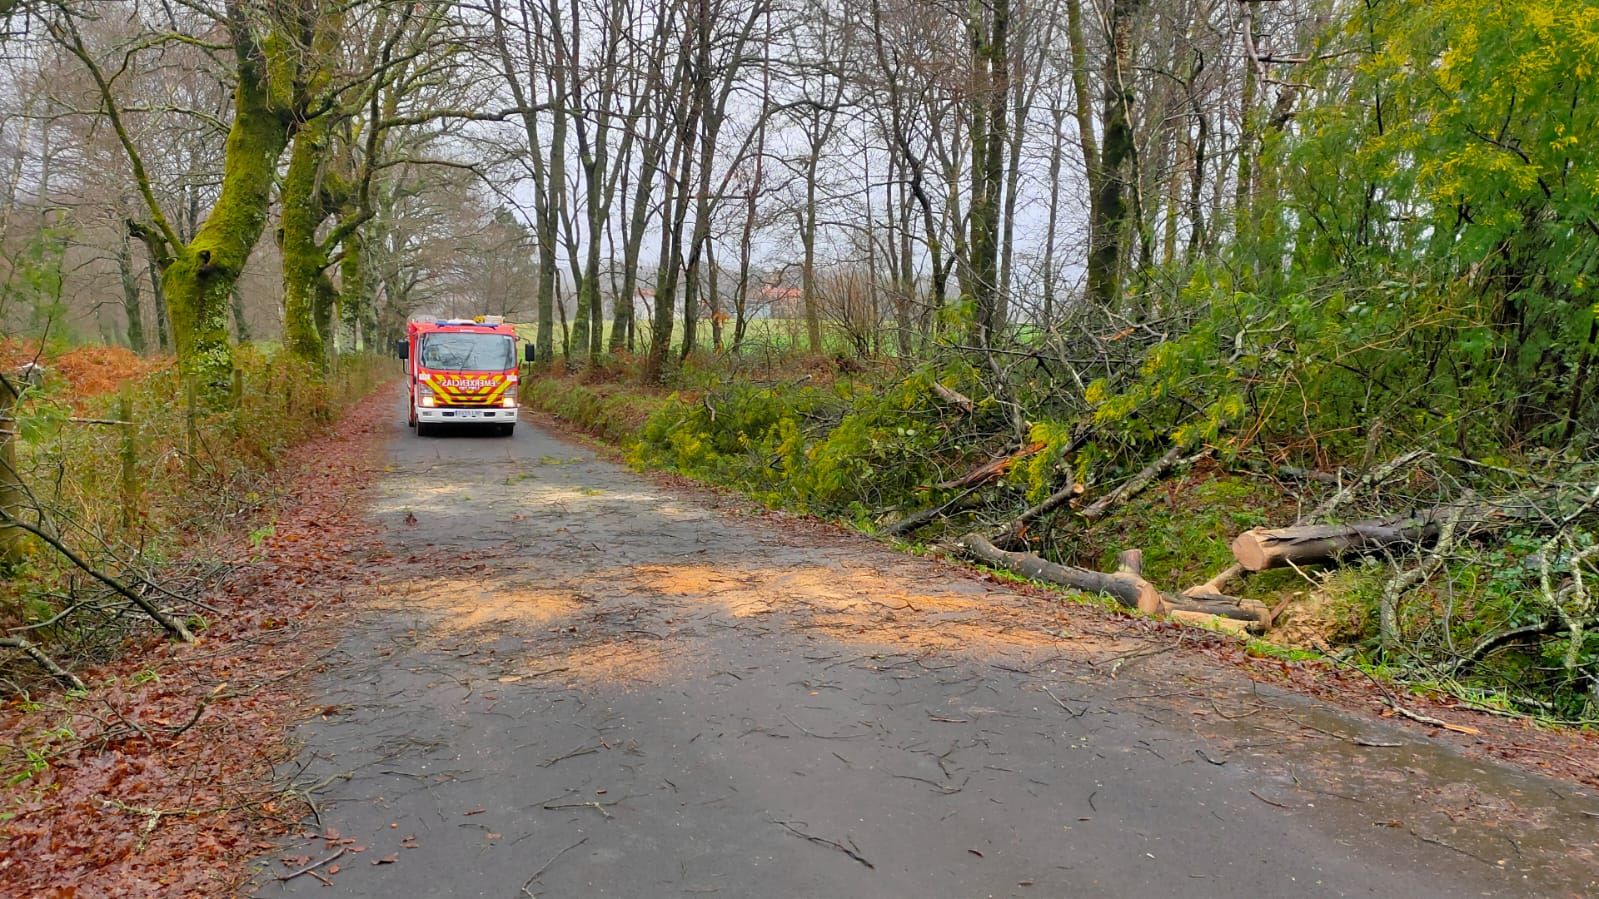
(490, 320)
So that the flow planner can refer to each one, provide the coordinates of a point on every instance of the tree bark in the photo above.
(1259, 549)
(65, 677)
(12, 492)
(198, 281)
(1108, 210)
(303, 260)
(131, 295)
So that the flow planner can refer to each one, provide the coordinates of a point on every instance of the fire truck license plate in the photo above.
(470, 413)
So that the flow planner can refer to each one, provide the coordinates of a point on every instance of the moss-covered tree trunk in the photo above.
(303, 259)
(241, 322)
(198, 281)
(355, 300)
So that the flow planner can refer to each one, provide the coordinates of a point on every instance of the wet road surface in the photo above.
(574, 682)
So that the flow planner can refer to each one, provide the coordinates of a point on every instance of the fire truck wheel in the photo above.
(424, 429)
(507, 430)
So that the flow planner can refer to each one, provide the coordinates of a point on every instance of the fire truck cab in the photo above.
(461, 372)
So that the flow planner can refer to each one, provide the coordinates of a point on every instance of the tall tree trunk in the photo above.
(131, 294)
(303, 260)
(813, 316)
(354, 292)
(163, 340)
(241, 323)
(622, 294)
(714, 299)
(1014, 140)
(1109, 215)
(198, 281)
(1057, 143)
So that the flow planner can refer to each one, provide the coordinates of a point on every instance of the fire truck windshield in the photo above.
(444, 351)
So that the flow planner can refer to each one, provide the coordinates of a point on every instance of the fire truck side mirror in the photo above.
(402, 349)
(529, 354)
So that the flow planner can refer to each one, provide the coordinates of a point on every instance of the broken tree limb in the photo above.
(954, 398)
(1215, 622)
(1381, 473)
(170, 624)
(915, 521)
(1251, 611)
(1133, 485)
(27, 648)
(1129, 588)
(1011, 533)
(1294, 472)
(1126, 584)
(992, 469)
(1216, 585)
(1404, 581)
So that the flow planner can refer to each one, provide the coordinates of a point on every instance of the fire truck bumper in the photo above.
(447, 415)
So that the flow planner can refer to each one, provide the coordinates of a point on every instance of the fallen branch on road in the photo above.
(170, 624)
(311, 867)
(851, 850)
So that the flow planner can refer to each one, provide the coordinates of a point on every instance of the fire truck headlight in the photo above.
(509, 402)
(427, 401)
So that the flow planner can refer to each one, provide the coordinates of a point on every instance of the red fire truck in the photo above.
(461, 372)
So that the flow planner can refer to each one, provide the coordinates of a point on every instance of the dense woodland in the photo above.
(1093, 245)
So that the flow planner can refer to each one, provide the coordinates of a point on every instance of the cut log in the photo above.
(1214, 622)
(1126, 584)
(1259, 549)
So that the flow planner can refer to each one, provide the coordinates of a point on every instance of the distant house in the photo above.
(779, 301)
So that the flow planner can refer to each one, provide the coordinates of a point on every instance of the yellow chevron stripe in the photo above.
(476, 396)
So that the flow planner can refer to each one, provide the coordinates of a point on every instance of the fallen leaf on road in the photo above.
(387, 859)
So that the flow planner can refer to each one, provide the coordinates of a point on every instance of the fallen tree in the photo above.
(1259, 549)
(1126, 584)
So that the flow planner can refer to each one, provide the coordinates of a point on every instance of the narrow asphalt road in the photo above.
(574, 682)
